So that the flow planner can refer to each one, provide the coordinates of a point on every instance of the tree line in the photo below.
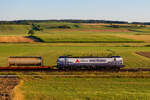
(29, 22)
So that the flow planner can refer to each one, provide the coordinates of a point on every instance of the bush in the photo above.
(76, 26)
(64, 27)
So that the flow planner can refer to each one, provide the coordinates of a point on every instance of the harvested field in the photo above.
(107, 30)
(94, 24)
(145, 54)
(15, 39)
(104, 24)
(87, 30)
(135, 37)
(6, 87)
(100, 30)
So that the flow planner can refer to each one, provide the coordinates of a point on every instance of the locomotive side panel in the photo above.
(90, 62)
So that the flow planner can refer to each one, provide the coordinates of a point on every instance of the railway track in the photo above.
(50, 69)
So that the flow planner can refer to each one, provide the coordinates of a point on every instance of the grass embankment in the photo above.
(86, 88)
(50, 54)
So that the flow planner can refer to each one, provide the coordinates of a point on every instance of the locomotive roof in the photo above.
(88, 57)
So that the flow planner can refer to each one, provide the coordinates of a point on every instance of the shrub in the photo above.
(76, 26)
(64, 27)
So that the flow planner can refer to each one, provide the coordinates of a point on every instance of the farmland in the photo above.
(86, 88)
(51, 53)
(77, 39)
(52, 32)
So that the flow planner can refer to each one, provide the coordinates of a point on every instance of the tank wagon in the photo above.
(65, 62)
(25, 61)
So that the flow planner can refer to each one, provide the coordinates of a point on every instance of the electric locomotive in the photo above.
(66, 62)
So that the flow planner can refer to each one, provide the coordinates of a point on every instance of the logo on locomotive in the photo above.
(89, 60)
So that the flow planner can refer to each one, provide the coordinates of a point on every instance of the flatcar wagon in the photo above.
(64, 62)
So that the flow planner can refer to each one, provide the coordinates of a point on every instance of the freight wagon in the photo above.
(25, 61)
(65, 62)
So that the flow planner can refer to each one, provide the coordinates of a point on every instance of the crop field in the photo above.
(13, 29)
(78, 39)
(52, 32)
(145, 38)
(84, 38)
(51, 53)
(86, 88)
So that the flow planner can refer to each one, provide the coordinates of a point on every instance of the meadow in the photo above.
(50, 53)
(55, 32)
(86, 88)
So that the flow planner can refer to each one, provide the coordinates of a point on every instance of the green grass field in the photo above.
(97, 40)
(51, 53)
(86, 88)
(14, 30)
(84, 38)
(77, 33)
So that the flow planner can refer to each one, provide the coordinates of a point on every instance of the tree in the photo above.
(36, 27)
(31, 33)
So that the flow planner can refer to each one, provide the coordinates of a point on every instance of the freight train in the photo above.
(67, 62)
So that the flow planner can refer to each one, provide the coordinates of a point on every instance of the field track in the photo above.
(15, 39)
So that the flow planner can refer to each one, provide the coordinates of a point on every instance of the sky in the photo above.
(120, 10)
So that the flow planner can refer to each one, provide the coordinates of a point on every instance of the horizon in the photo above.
(114, 10)
(70, 19)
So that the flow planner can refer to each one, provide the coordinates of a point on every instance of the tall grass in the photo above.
(86, 88)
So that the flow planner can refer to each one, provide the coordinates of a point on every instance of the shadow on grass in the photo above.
(35, 38)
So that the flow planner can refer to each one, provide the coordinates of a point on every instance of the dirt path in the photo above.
(15, 39)
(6, 87)
(18, 94)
